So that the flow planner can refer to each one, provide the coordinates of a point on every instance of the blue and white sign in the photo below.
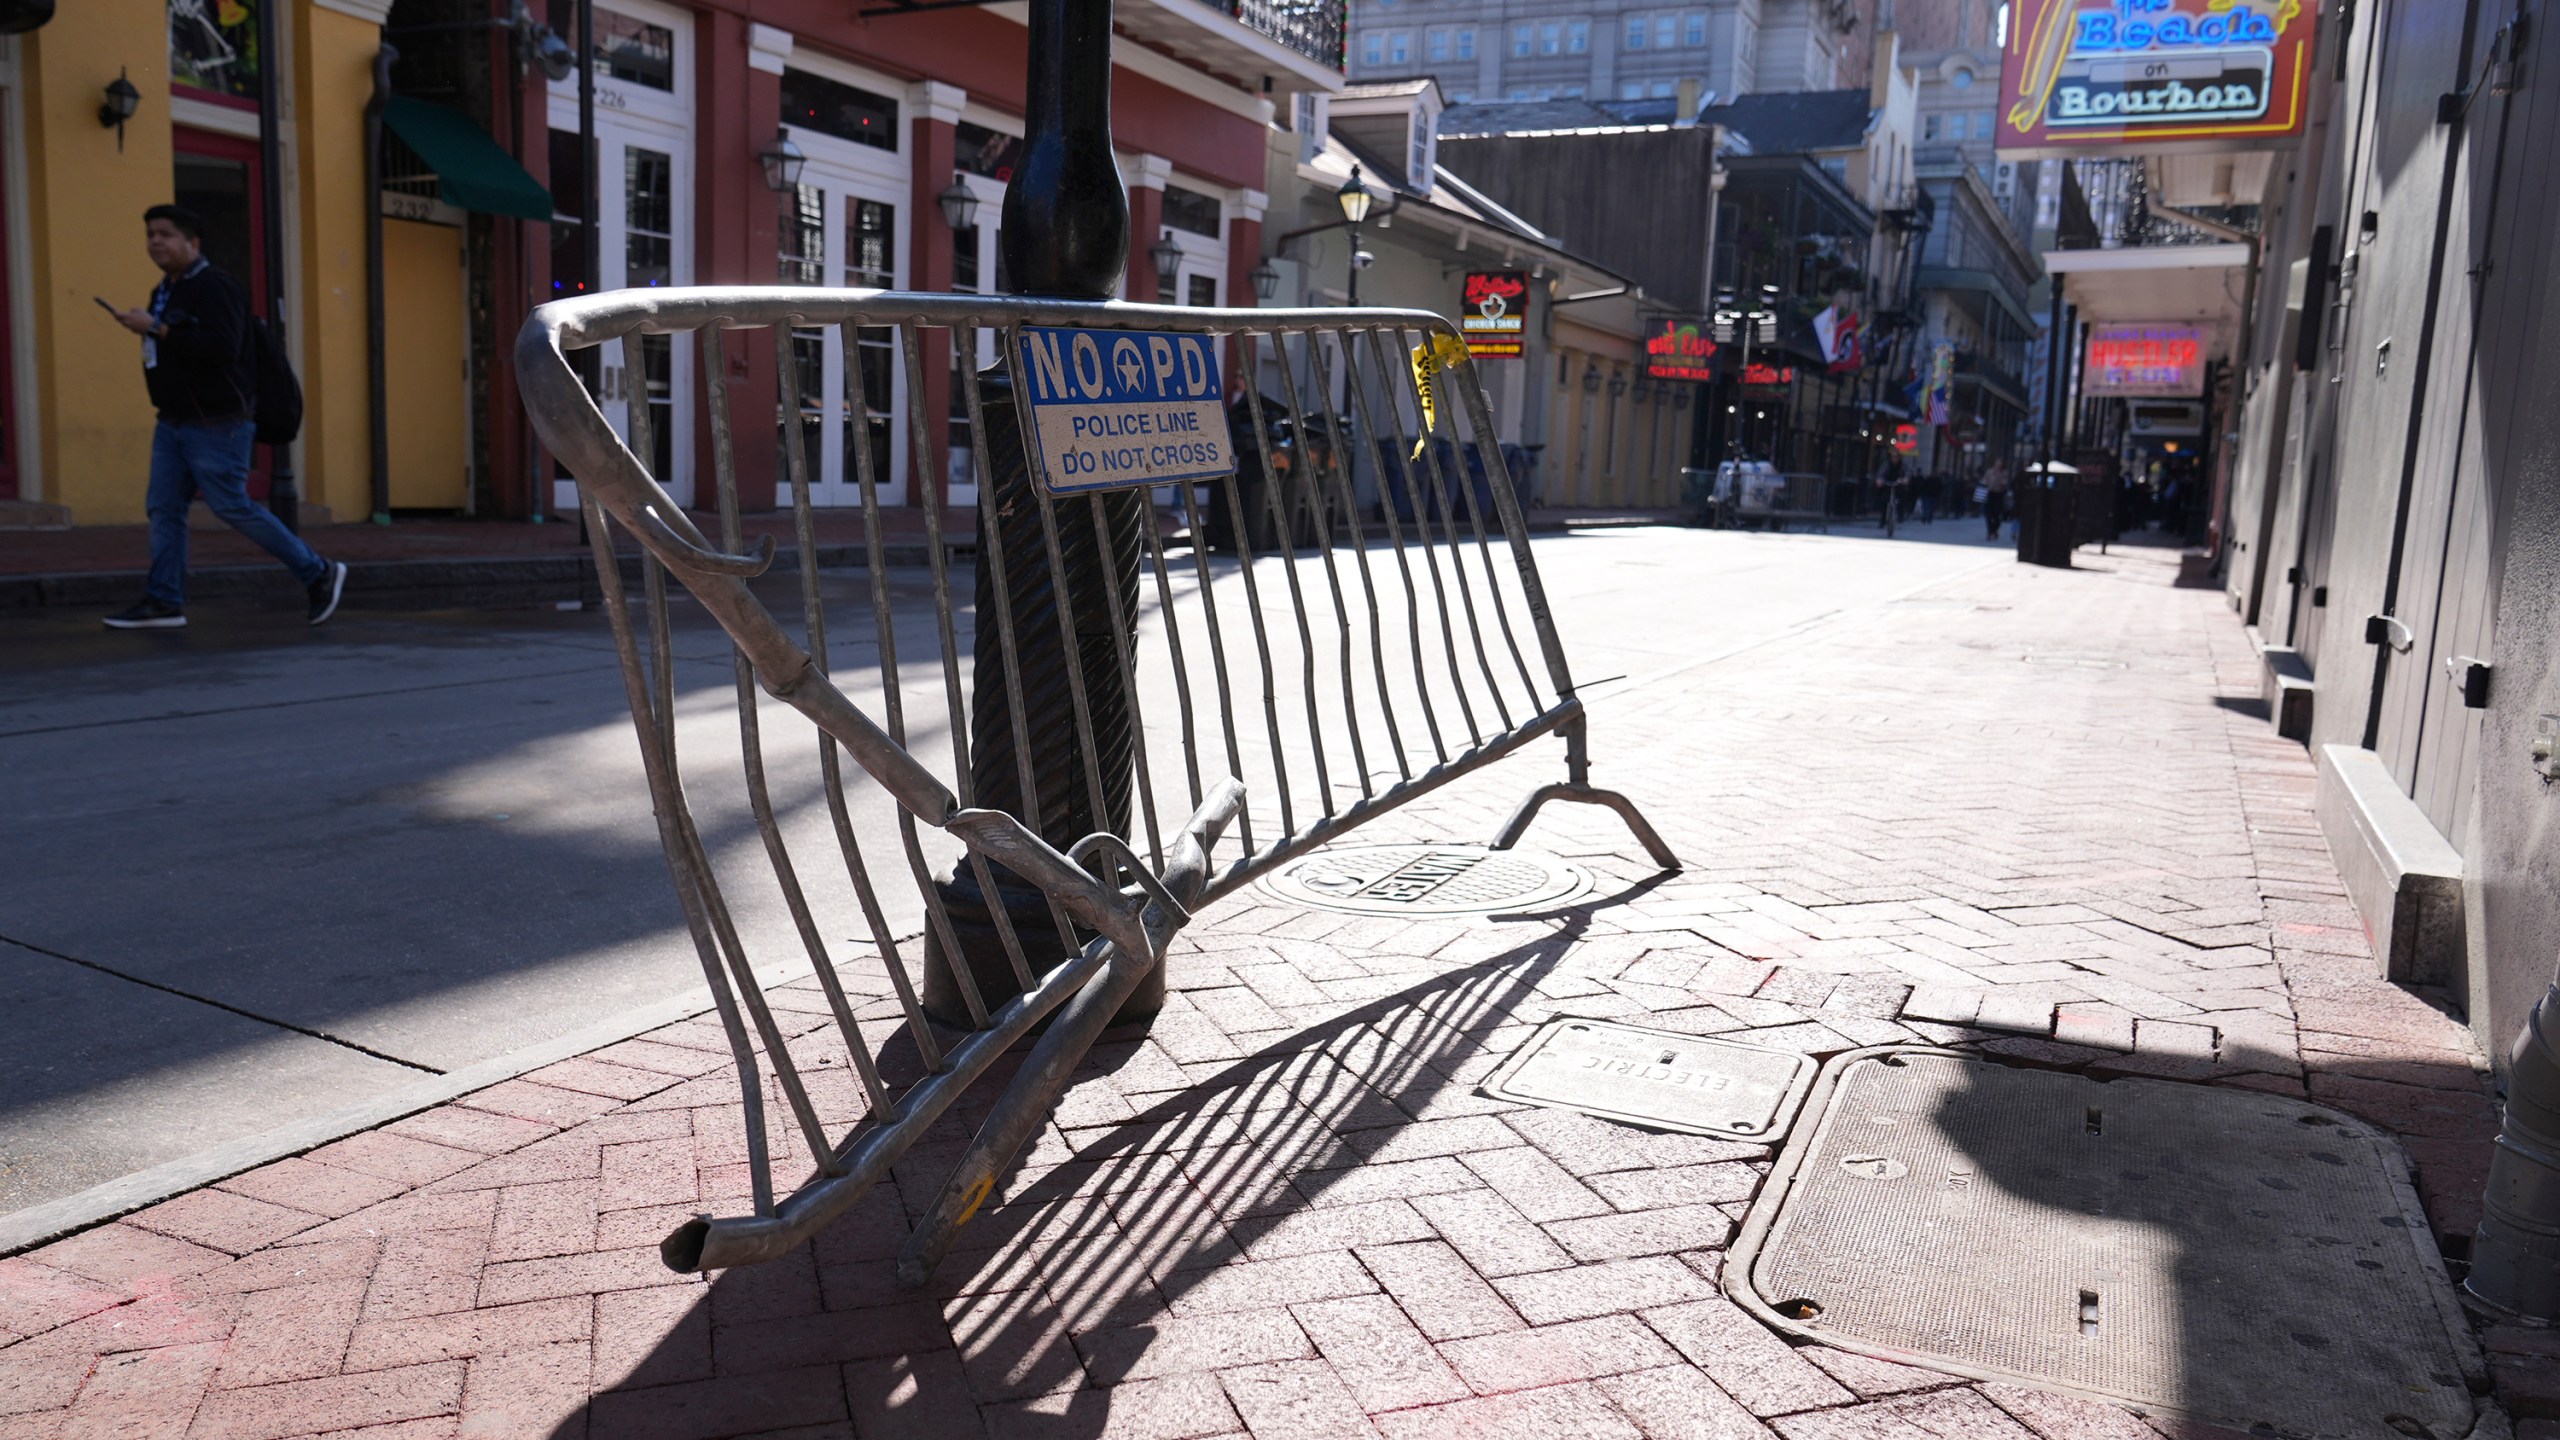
(1112, 409)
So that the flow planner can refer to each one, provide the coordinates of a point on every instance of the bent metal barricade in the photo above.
(1117, 408)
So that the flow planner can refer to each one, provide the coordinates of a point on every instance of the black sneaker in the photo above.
(326, 590)
(150, 614)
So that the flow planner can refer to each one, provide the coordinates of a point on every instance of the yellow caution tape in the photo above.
(1430, 359)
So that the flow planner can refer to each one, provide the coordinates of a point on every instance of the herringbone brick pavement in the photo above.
(2025, 811)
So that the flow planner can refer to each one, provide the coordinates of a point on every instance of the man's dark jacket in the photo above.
(203, 376)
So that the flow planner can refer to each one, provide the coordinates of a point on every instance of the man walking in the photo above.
(196, 359)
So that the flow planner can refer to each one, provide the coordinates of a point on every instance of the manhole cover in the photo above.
(1425, 880)
(1657, 1078)
(2218, 1254)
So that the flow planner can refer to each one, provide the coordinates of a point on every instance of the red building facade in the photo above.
(893, 111)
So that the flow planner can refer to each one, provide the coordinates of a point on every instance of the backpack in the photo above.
(278, 397)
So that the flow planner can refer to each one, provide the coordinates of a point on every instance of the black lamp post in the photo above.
(1065, 235)
(1266, 280)
(1355, 200)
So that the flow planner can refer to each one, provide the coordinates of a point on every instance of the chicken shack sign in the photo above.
(2154, 76)
(1496, 318)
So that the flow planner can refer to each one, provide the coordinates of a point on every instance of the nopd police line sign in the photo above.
(1117, 408)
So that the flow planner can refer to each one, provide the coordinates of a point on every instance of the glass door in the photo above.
(976, 266)
(839, 230)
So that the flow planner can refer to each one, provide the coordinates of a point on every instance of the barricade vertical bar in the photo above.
(1096, 794)
(1243, 534)
(893, 703)
(666, 801)
(1428, 445)
(830, 764)
(1286, 536)
(1404, 458)
(1368, 586)
(1319, 502)
(1217, 639)
(653, 576)
(1173, 645)
(750, 728)
(991, 536)
(1501, 604)
(1120, 630)
(927, 476)
(1515, 526)
(1323, 385)
(1286, 539)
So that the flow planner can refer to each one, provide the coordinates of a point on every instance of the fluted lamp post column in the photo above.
(1065, 235)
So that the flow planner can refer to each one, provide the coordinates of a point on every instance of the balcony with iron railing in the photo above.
(1274, 45)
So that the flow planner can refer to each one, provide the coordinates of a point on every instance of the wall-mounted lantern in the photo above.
(122, 101)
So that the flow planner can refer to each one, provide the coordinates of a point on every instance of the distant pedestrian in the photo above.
(1924, 496)
(197, 362)
(1993, 492)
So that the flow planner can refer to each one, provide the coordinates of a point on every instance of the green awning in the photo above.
(472, 173)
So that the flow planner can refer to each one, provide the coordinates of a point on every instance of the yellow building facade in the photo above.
(78, 422)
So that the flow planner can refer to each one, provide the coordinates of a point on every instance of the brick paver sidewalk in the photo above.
(2012, 812)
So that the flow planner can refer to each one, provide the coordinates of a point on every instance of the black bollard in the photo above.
(1065, 236)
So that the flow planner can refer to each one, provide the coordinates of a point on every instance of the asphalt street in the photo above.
(252, 874)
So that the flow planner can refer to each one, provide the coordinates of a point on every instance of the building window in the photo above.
(1466, 44)
(1665, 27)
(1571, 92)
(1986, 126)
(1955, 127)
(1520, 40)
(1373, 48)
(1659, 90)
(216, 47)
(1693, 32)
(1204, 291)
(1190, 210)
(982, 151)
(1932, 126)
(1399, 48)
(1419, 144)
(1631, 90)
(1636, 32)
(634, 50)
(1577, 37)
(1550, 39)
(1462, 97)
(814, 102)
(1437, 45)
(803, 258)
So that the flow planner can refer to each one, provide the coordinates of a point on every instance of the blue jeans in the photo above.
(212, 461)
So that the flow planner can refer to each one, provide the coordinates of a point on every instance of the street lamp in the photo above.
(783, 162)
(1355, 200)
(1167, 253)
(959, 204)
(1266, 280)
(123, 99)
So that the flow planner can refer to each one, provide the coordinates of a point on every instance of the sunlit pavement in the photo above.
(1920, 792)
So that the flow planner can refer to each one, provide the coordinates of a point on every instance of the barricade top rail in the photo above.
(1169, 689)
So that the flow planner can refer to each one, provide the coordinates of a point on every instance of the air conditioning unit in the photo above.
(2004, 181)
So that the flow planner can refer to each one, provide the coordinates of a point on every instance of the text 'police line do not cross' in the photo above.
(1117, 408)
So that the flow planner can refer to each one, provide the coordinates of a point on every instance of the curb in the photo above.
(400, 584)
(56, 1219)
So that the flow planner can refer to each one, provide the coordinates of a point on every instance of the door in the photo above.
(842, 229)
(975, 267)
(425, 307)
(644, 169)
(217, 176)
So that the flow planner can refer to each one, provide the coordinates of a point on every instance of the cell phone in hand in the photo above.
(104, 305)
